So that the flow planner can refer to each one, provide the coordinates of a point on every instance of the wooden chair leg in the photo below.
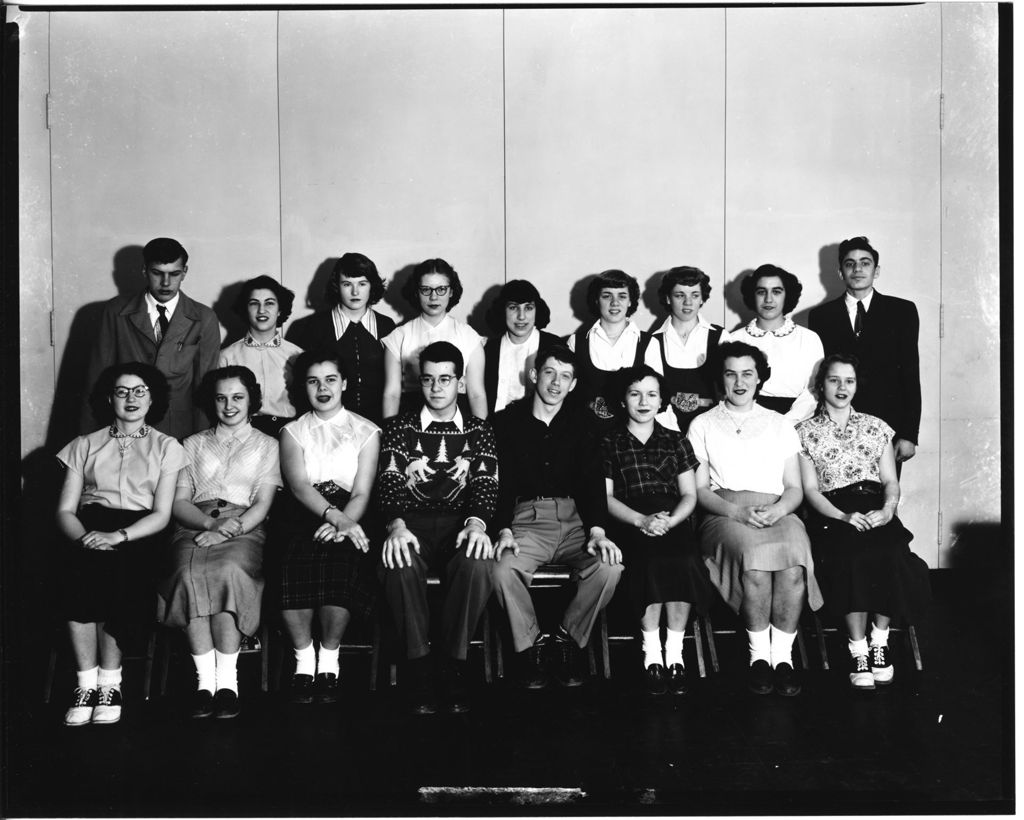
(147, 680)
(264, 657)
(915, 648)
(697, 643)
(499, 651)
(709, 631)
(51, 672)
(375, 654)
(485, 626)
(606, 655)
(822, 647)
(591, 661)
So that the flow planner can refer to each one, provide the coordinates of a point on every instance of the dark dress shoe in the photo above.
(202, 704)
(455, 690)
(787, 682)
(759, 678)
(300, 690)
(657, 683)
(225, 704)
(532, 672)
(420, 687)
(326, 688)
(566, 657)
(677, 679)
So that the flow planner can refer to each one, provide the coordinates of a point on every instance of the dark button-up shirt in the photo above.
(559, 460)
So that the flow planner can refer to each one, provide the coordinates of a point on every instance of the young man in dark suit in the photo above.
(881, 331)
(163, 327)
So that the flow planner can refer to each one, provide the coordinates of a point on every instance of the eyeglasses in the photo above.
(140, 391)
(441, 290)
(444, 381)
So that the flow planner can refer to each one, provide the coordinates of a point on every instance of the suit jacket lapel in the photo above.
(137, 314)
(181, 322)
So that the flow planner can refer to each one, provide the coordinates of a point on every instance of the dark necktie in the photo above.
(162, 322)
(858, 322)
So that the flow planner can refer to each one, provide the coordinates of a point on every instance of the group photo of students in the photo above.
(598, 408)
(349, 459)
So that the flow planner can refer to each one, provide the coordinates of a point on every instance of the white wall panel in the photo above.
(391, 143)
(614, 147)
(970, 372)
(832, 132)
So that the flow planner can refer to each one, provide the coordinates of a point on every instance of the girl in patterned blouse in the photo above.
(652, 492)
(862, 550)
(115, 502)
(213, 584)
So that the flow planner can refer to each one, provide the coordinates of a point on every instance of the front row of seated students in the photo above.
(534, 478)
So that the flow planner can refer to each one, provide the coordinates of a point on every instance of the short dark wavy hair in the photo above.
(163, 251)
(836, 358)
(683, 275)
(103, 390)
(734, 350)
(792, 285)
(612, 279)
(856, 243)
(439, 352)
(626, 377)
(205, 396)
(410, 290)
(354, 265)
(516, 291)
(560, 352)
(285, 298)
(300, 368)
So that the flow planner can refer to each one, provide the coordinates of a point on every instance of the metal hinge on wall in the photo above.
(942, 111)
(942, 320)
(49, 100)
(938, 538)
(52, 328)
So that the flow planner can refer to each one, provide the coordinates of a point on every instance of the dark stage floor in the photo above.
(934, 742)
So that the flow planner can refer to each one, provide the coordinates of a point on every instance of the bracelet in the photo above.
(329, 508)
(124, 535)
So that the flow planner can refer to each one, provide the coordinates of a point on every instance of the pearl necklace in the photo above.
(125, 440)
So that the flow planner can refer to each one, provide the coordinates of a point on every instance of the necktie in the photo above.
(858, 322)
(162, 322)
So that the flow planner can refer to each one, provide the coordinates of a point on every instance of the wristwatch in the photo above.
(124, 535)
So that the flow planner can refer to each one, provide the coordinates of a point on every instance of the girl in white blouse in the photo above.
(755, 548)
(794, 352)
(432, 290)
(213, 584)
(115, 502)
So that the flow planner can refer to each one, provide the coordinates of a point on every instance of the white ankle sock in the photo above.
(760, 645)
(305, 661)
(109, 677)
(673, 647)
(206, 670)
(858, 647)
(226, 670)
(782, 646)
(327, 662)
(650, 641)
(87, 678)
(879, 636)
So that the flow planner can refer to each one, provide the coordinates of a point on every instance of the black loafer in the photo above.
(300, 690)
(532, 671)
(759, 678)
(677, 679)
(566, 657)
(657, 683)
(787, 682)
(202, 704)
(225, 704)
(326, 688)
(420, 689)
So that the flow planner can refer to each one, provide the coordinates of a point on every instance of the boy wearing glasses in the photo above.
(162, 327)
(438, 485)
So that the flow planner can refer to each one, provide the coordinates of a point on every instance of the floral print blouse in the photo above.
(839, 458)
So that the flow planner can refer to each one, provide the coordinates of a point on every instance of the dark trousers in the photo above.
(467, 583)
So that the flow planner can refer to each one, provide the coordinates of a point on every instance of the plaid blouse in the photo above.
(640, 469)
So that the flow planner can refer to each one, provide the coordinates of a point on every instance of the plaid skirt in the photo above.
(316, 573)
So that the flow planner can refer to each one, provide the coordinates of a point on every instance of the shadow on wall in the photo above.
(828, 276)
(734, 300)
(224, 306)
(649, 299)
(978, 545)
(477, 317)
(393, 293)
(316, 293)
(578, 303)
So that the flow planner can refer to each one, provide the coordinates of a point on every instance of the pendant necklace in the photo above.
(125, 440)
(739, 425)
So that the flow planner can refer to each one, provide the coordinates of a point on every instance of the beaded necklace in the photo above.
(125, 440)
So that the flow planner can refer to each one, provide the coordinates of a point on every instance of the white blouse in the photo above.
(606, 354)
(230, 465)
(687, 355)
(794, 354)
(514, 362)
(744, 451)
(407, 341)
(330, 449)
